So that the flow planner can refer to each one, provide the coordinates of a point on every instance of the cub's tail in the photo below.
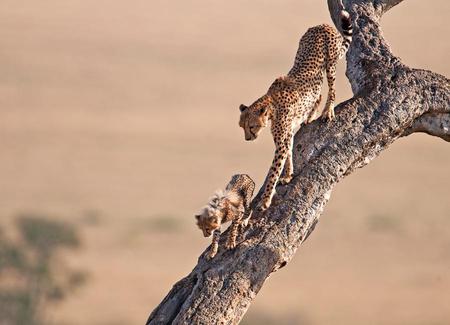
(347, 29)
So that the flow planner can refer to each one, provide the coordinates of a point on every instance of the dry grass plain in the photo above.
(121, 117)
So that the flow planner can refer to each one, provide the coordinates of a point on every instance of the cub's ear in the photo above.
(197, 217)
(263, 110)
(242, 107)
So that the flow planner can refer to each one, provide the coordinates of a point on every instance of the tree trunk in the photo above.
(390, 100)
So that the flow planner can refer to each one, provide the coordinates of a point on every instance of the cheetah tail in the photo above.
(347, 29)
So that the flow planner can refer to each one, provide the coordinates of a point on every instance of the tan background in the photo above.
(122, 118)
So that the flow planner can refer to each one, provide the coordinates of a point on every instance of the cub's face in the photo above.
(207, 221)
(253, 119)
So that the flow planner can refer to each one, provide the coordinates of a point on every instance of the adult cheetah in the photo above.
(294, 99)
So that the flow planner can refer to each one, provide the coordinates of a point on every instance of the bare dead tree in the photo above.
(390, 100)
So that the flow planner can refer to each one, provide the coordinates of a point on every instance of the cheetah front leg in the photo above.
(328, 112)
(279, 160)
(289, 165)
(214, 245)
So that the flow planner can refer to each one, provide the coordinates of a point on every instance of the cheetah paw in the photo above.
(245, 223)
(285, 179)
(212, 252)
(310, 119)
(263, 205)
(230, 244)
(328, 113)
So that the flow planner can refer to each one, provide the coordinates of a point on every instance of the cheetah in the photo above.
(295, 98)
(233, 205)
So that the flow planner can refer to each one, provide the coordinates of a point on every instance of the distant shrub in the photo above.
(45, 236)
(92, 217)
(32, 263)
(383, 223)
(165, 223)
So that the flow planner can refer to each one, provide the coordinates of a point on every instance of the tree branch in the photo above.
(391, 100)
(388, 4)
(437, 124)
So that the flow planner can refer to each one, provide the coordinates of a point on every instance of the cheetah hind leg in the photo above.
(312, 113)
(328, 112)
(234, 231)
(244, 223)
(243, 226)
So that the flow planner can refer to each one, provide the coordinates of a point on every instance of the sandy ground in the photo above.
(122, 118)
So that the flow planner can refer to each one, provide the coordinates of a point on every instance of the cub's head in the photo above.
(254, 117)
(208, 221)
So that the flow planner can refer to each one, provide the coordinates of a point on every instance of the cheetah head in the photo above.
(254, 118)
(208, 220)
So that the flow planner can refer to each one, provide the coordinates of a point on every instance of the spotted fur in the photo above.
(233, 205)
(294, 99)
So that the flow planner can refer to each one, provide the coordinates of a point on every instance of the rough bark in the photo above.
(390, 100)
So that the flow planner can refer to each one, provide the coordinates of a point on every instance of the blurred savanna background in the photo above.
(118, 120)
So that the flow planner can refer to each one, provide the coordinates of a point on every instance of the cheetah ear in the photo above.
(242, 107)
(263, 110)
(197, 217)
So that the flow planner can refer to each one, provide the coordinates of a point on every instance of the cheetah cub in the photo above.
(233, 205)
(294, 99)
